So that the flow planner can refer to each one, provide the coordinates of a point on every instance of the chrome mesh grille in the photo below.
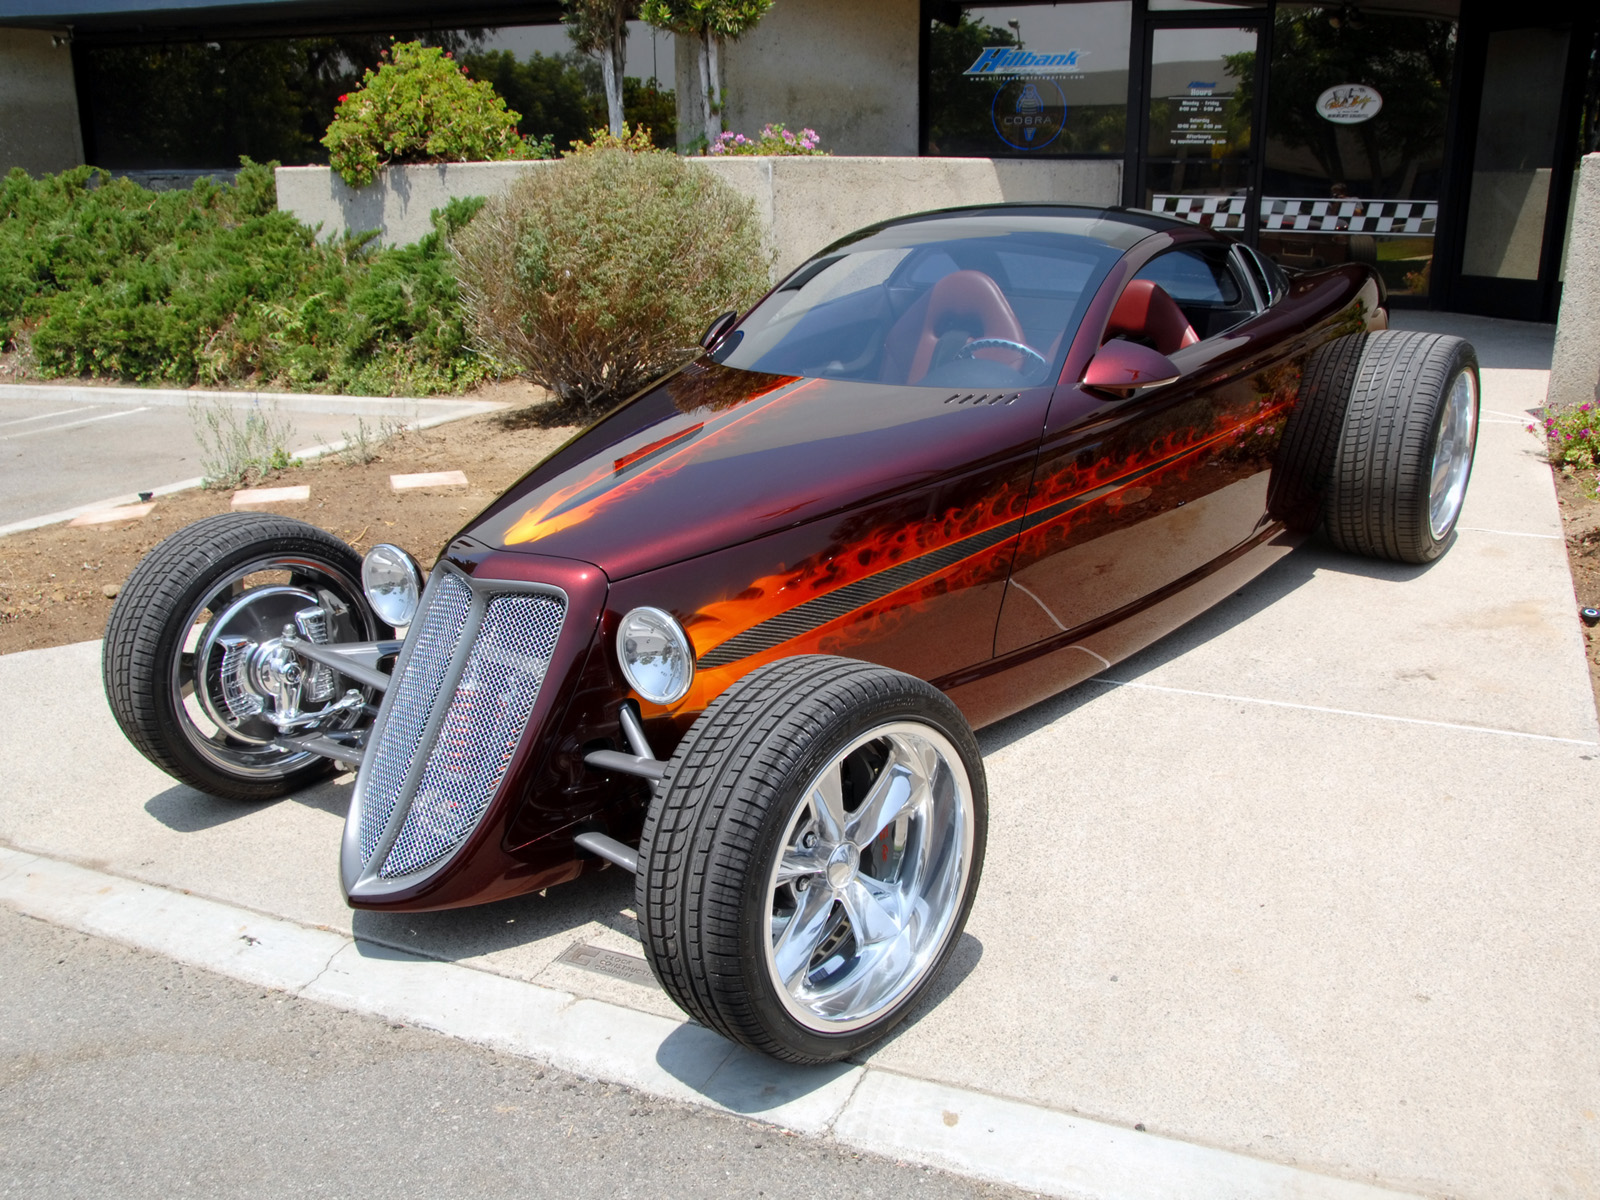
(488, 712)
(416, 693)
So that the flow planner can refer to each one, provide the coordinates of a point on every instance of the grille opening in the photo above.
(476, 721)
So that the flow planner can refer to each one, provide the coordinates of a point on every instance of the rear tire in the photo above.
(1405, 451)
(1304, 467)
(811, 855)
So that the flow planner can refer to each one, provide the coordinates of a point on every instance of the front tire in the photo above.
(811, 855)
(254, 570)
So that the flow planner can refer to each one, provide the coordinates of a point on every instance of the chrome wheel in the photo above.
(1452, 456)
(231, 672)
(868, 885)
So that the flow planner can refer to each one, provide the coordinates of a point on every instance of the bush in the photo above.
(597, 274)
(419, 107)
(774, 139)
(213, 285)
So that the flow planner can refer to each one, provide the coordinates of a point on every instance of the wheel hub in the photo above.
(843, 866)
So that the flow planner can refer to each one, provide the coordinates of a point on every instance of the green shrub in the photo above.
(215, 286)
(598, 273)
(420, 106)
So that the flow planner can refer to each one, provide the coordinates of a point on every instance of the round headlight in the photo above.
(393, 584)
(656, 655)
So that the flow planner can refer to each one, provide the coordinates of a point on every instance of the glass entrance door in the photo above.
(1519, 178)
(1198, 140)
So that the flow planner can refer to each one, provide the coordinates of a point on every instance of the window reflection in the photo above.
(1029, 80)
(1337, 189)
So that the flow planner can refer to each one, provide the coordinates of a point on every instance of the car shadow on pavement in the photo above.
(183, 810)
(455, 934)
(1290, 573)
(736, 1078)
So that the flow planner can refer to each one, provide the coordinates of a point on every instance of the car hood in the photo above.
(713, 456)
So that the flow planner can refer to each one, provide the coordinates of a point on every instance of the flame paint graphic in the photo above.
(604, 486)
(1080, 496)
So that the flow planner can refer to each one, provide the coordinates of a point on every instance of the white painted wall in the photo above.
(39, 129)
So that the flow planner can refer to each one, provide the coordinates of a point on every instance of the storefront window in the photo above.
(1355, 138)
(1028, 80)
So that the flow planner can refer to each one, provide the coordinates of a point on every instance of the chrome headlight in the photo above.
(655, 655)
(393, 584)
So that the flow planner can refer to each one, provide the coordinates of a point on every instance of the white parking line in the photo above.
(125, 412)
(1342, 712)
(65, 412)
(869, 1108)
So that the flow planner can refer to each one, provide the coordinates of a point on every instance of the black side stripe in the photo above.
(815, 613)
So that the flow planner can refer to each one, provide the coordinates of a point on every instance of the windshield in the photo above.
(975, 303)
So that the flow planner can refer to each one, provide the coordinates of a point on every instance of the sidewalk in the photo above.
(1310, 882)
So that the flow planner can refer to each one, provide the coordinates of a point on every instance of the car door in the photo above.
(1131, 497)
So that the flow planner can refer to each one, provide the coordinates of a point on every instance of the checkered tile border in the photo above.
(1415, 217)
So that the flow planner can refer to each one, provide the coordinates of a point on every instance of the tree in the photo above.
(711, 23)
(600, 28)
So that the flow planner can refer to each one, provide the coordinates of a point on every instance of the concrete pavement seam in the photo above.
(879, 1111)
(1343, 712)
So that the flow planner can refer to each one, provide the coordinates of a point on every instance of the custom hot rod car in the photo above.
(735, 636)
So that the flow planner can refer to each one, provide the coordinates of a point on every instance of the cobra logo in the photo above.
(1028, 114)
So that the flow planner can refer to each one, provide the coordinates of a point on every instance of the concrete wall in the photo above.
(844, 68)
(39, 129)
(804, 203)
(1575, 367)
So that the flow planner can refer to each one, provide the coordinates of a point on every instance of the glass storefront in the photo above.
(1029, 80)
(1315, 130)
(1357, 107)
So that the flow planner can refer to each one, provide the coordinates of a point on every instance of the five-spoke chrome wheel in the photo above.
(811, 855)
(869, 881)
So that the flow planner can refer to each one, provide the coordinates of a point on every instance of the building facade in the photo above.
(1435, 139)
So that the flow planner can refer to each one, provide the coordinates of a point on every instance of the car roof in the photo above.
(1119, 228)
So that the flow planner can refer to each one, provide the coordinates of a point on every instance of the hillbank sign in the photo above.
(1008, 60)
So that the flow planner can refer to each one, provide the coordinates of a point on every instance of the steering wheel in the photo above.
(1000, 344)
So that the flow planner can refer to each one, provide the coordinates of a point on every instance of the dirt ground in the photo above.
(1580, 518)
(54, 582)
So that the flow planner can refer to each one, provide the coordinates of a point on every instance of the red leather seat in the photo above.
(966, 300)
(1145, 313)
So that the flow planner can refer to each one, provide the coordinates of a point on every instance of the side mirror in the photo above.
(717, 330)
(1123, 368)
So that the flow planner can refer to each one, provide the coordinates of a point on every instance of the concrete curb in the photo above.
(868, 1108)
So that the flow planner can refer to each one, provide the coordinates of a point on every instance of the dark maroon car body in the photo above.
(1001, 543)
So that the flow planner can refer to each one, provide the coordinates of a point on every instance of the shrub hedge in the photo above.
(598, 273)
(213, 285)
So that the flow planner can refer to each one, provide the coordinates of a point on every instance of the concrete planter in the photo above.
(803, 202)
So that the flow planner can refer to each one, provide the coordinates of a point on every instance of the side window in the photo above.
(1203, 282)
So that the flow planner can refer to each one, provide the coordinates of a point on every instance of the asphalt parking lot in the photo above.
(1309, 882)
(63, 448)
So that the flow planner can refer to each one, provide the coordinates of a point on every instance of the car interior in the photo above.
(984, 312)
(988, 312)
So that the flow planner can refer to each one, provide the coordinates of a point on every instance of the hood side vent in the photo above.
(973, 399)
